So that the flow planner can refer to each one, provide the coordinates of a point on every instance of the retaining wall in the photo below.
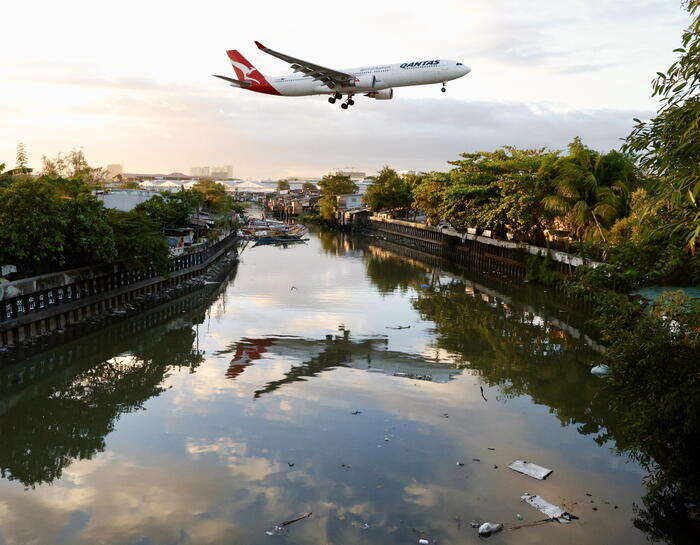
(41, 304)
(482, 252)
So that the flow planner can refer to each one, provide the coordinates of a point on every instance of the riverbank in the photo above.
(39, 307)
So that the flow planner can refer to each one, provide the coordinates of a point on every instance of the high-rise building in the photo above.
(225, 171)
(199, 171)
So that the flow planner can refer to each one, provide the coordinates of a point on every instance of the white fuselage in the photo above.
(375, 78)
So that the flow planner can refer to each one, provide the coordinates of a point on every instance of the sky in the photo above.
(130, 82)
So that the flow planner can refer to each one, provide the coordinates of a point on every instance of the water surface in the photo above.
(231, 410)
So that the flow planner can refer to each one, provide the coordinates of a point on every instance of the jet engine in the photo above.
(384, 94)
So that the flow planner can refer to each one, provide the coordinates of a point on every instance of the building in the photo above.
(225, 171)
(114, 170)
(350, 172)
(199, 171)
(349, 202)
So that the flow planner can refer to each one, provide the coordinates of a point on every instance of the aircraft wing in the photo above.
(330, 77)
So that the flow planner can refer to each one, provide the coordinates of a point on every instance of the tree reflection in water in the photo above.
(523, 349)
(66, 416)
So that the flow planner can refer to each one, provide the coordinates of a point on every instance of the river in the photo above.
(367, 384)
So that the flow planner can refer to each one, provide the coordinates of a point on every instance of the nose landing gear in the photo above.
(443, 87)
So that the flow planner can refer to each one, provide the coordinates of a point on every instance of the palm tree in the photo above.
(591, 191)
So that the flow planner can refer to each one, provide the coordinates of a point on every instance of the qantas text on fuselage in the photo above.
(376, 82)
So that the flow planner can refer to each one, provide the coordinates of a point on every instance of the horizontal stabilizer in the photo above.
(237, 82)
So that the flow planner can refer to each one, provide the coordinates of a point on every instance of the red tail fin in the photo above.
(244, 70)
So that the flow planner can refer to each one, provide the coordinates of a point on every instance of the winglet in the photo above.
(260, 46)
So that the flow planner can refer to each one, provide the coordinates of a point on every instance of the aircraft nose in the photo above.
(466, 69)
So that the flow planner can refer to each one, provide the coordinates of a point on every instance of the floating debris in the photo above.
(281, 528)
(356, 412)
(476, 460)
(551, 510)
(361, 525)
(518, 516)
(460, 464)
(488, 528)
(530, 469)
(601, 370)
(290, 464)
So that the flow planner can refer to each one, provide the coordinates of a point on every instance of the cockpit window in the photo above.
(459, 64)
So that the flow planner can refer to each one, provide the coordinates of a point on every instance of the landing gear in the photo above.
(344, 105)
(331, 100)
(351, 102)
(443, 87)
(338, 96)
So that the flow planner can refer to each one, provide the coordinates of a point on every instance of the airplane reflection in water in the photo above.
(369, 353)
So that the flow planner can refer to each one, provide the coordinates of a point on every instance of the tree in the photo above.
(668, 146)
(21, 161)
(498, 190)
(32, 228)
(73, 166)
(331, 186)
(282, 185)
(139, 240)
(170, 209)
(388, 190)
(5, 176)
(308, 186)
(89, 239)
(591, 191)
(428, 195)
(214, 196)
(44, 230)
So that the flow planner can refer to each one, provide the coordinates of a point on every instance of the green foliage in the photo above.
(388, 190)
(668, 146)
(308, 186)
(332, 185)
(654, 357)
(42, 230)
(171, 209)
(139, 240)
(590, 191)
(282, 185)
(495, 190)
(428, 195)
(213, 197)
(630, 266)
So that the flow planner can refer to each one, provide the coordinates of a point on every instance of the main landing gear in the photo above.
(335, 97)
(344, 105)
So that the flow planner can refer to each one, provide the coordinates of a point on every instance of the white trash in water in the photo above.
(488, 528)
(600, 370)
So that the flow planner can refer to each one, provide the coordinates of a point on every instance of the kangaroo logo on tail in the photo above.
(243, 69)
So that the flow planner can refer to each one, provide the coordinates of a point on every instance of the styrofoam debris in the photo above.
(530, 469)
(551, 510)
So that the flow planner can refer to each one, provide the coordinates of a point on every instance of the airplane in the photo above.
(377, 82)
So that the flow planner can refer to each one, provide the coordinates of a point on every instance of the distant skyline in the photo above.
(131, 83)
